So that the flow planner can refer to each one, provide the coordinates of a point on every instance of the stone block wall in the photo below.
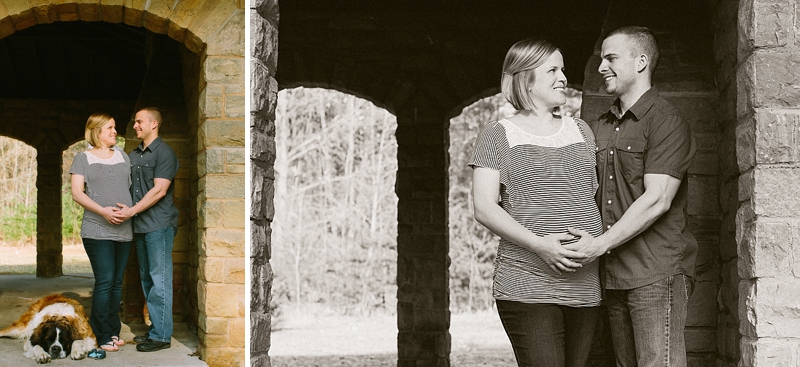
(220, 185)
(724, 18)
(264, 89)
(768, 219)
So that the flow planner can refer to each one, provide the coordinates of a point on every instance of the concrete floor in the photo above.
(18, 292)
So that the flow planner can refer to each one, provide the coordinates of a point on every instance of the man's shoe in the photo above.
(152, 346)
(141, 338)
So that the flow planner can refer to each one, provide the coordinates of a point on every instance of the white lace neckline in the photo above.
(567, 134)
(114, 159)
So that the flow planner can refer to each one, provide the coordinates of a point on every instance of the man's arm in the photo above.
(659, 190)
(159, 190)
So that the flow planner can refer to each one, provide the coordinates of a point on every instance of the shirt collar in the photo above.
(153, 145)
(638, 110)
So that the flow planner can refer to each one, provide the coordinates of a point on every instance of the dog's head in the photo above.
(54, 335)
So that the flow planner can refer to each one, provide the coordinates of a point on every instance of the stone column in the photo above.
(768, 220)
(264, 89)
(48, 212)
(423, 293)
(220, 197)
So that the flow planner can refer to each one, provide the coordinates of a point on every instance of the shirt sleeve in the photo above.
(487, 153)
(128, 162)
(78, 165)
(166, 164)
(671, 148)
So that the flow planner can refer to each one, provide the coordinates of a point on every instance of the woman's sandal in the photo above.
(97, 354)
(109, 347)
(118, 341)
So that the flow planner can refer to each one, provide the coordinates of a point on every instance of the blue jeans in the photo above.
(647, 323)
(108, 259)
(154, 250)
(548, 335)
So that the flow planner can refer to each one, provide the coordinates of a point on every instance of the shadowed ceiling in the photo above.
(384, 50)
(73, 61)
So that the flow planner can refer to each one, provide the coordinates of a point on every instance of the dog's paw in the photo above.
(81, 348)
(40, 355)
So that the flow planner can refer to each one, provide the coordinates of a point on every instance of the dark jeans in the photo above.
(647, 323)
(549, 335)
(108, 259)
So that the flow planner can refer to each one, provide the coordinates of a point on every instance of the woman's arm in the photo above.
(85, 201)
(485, 191)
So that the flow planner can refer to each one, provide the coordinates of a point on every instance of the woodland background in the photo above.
(18, 194)
(335, 227)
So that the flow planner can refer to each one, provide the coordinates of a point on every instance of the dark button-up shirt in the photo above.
(156, 161)
(649, 138)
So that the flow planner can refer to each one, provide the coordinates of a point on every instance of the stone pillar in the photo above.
(423, 291)
(264, 89)
(724, 18)
(48, 212)
(220, 196)
(768, 220)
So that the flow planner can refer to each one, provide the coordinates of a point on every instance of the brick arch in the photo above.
(211, 148)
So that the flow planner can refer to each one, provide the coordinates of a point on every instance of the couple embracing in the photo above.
(577, 203)
(126, 200)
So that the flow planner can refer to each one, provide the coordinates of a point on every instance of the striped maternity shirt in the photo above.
(107, 182)
(547, 183)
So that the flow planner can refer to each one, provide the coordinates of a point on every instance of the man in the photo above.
(643, 152)
(153, 168)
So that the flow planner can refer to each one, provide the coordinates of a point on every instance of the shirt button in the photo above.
(608, 252)
(608, 226)
(609, 177)
(629, 147)
(616, 129)
(611, 152)
(609, 201)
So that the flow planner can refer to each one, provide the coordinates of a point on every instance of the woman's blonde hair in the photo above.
(521, 59)
(93, 127)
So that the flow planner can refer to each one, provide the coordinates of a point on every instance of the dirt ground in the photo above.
(21, 259)
(302, 339)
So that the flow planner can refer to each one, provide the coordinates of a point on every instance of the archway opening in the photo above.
(335, 227)
(17, 207)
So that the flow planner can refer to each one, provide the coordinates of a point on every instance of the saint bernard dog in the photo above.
(53, 327)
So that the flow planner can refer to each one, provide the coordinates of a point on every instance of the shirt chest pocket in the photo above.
(143, 172)
(630, 154)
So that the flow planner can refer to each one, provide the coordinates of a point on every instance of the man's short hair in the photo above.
(155, 113)
(643, 41)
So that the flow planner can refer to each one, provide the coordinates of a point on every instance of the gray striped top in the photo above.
(107, 182)
(547, 183)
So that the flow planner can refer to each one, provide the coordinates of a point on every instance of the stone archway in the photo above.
(210, 142)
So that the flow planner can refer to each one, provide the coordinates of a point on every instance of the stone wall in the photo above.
(264, 88)
(724, 19)
(768, 220)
